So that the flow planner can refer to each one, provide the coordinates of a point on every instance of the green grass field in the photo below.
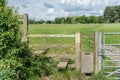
(72, 29)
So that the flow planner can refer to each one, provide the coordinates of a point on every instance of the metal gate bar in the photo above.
(112, 73)
(101, 55)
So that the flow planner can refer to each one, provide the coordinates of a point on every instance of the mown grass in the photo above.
(72, 28)
(112, 39)
(48, 40)
(87, 42)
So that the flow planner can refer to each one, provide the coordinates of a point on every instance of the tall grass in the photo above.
(69, 75)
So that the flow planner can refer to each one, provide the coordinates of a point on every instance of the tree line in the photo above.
(79, 19)
(111, 15)
(70, 20)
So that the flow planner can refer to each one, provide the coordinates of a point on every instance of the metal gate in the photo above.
(109, 59)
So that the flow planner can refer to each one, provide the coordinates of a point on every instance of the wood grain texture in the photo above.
(51, 35)
(87, 63)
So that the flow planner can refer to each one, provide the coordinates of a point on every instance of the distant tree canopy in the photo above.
(79, 19)
(71, 20)
(112, 14)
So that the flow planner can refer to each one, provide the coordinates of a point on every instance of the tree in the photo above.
(92, 19)
(77, 20)
(101, 19)
(30, 21)
(83, 19)
(42, 21)
(57, 21)
(48, 22)
(62, 20)
(68, 20)
(111, 13)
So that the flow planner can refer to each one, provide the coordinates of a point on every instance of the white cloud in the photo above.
(87, 14)
(52, 17)
(106, 2)
(62, 1)
(49, 9)
(93, 3)
(64, 13)
(98, 2)
(86, 2)
(101, 11)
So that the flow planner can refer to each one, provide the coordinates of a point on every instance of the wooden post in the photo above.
(78, 55)
(96, 52)
(25, 28)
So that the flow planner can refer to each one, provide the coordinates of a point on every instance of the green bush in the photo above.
(42, 65)
(16, 61)
(14, 55)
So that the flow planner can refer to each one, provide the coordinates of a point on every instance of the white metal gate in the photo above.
(107, 64)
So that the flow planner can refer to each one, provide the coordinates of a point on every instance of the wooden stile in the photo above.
(87, 63)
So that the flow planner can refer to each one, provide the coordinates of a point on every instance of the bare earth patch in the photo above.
(113, 50)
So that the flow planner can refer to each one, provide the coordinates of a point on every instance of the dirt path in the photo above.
(113, 50)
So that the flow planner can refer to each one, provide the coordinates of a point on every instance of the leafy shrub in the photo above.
(43, 65)
(14, 55)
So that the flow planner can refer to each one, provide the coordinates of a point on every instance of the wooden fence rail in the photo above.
(51, 35)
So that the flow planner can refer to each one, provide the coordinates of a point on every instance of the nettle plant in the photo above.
(14, 55)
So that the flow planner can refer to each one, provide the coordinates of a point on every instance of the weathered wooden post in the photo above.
(78, 54)
(25, 28)
(96, 52)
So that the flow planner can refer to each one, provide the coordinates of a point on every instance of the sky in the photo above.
(50, 9)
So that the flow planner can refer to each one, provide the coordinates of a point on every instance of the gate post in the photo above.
(96, 52)
(78, 54)
(100, 51)
(25, 28)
